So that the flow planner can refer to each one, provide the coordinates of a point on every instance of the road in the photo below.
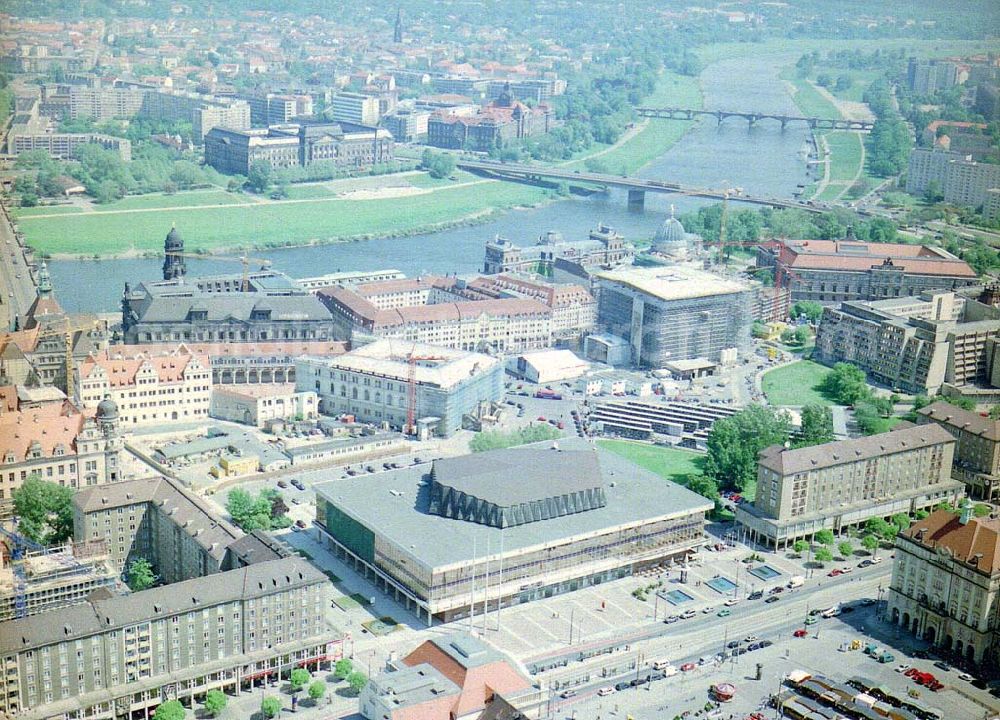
(17, 289)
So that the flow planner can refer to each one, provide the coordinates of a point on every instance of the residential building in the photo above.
(945, 584)
(502, 121)
(148, 389)
(453, 676)
(674, 313)
(99, 102)
(574, 308)
(535, 90)
(355, 108)
(843, 484)
(52, 578)
(217, 309)
(926, 77)
(570, 516)
(204, 112)
(114, 656)
(347, 146)
(434, 310)
(375, 383)
(63, 146)
(257, 405)
(604, 248)
(916, 344)
(61, 444)
(977, 447)
(960, 179)
(407, 126)
(830, 271)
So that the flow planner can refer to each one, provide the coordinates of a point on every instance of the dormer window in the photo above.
(9, 457)
(34, 450)
(60, 450)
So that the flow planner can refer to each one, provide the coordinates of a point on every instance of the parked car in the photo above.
(756, 595)
(300, 523)
(902, 668)
(283, 484)
(733, 643)
(942, 665)
(687, 614)
(731, 601)
(567, 694)
(772, 599)
(724, 612)
(688, 667)
(800, 633)
(605, 691)
(811, 620)
(750, 639)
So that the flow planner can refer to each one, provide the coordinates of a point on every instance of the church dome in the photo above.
(174, 240)
(107, 409)
(670, 236)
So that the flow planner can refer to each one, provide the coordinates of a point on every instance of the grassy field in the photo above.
(670, 463)
(271, 224)
(796, 384)
(159, 200)
(658, 135)
(937, 48)
(807, 98)
(46, 210)
(846, 155)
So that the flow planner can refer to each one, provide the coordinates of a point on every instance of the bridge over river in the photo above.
(668, 113)
(637, 187)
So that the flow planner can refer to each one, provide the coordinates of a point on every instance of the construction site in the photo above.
(35, 579)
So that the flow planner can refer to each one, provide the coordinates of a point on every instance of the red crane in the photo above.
(411, 405)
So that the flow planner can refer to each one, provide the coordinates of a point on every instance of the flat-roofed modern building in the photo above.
(674, 313)
(916, 344)
(114, 657)
(504, 527)
(842, 484)
(977, 447)
(372, 383)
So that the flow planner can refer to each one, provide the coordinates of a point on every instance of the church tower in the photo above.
(173, 263)
(397, 33)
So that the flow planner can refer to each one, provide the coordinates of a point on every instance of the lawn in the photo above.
(796, 384)
(160, 200)
(45, 210)
(657, 136)
(845, 155)
(309, 192)
(808, 99)
(272, 224)
(671, 463)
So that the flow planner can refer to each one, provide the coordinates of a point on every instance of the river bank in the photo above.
(312, 217)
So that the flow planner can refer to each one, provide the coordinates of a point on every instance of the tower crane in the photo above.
(411, 387)
(244, 259)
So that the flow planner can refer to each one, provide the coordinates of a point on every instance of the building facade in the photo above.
(65, 145)
(101, 102)
(61, 444)
(372, 383)
(960, 179)
(121, 656)
(604, 248)
(258, 405)
(204, 112)
(355, 108)
(674, 313)
(926, 77)
(977, 447)
(945, 585)
(917, 344)
(829, 271)
(147, 389)
(843, 484)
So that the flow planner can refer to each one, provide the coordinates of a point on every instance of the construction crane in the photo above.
(66, 332)
(243, 259)
(411, 387)
(18, 546)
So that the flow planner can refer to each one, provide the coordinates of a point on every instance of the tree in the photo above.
(867, 417)
(846, 384)
(357, 681)
(995, 412)
(704, 486)
(802, 335)
(439, 165)
(876, 526)
(966, 403)
(734, 442)
(170, 710)
(270, 707)
(901, 521)
(259, 177)
(140, 575)
(981, 510)
(317, 689)
(343, 669)
(249, 512)
(824, 537)
(823, 555)
(933, 192)
(845, 548)
(299, 678)
(824, 80)
(215, 702)
(759, 330)
(800, 546)
(789, 337)
(817, 425)
(45, 511)
(870, 543)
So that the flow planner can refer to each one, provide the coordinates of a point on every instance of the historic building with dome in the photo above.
(673, 241)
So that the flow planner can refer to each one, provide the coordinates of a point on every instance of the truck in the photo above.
(546, 394)
(796, 581)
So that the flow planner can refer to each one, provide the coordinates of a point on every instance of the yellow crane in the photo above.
(243, 259)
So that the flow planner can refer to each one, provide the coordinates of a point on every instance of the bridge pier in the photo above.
(636, 199)
(719, 117)
(784, 122)
(751, 120)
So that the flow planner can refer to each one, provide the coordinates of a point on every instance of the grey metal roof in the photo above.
(413, 685)
(79, 621)
(396, 508)
(469, 651)
(945, 413)
(223, 306)
(329, 445)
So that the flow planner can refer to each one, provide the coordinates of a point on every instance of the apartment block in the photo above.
(917, 344)
(203, 111)
(961, 180)
(355, 108)
(977, 447)
(65, 145)
(843, 484)
(101, 102)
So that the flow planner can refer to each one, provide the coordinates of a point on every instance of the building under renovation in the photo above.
(674, 313)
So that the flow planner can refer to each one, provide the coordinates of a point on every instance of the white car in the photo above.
(731, 601)
(708, 610)
(902, 668)
(687, 614)
(750, 639)
(966, 677)
(605, 691)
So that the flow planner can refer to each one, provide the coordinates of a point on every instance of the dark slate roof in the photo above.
(223, 306)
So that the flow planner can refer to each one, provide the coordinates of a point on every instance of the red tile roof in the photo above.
(979, 536)
(50, 426)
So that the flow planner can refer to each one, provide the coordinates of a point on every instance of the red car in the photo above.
(688, 667)
(801, 632)
(835, 572)
(541, 418)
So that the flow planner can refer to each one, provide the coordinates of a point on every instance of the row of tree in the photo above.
(265, 511)
(889, 143)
